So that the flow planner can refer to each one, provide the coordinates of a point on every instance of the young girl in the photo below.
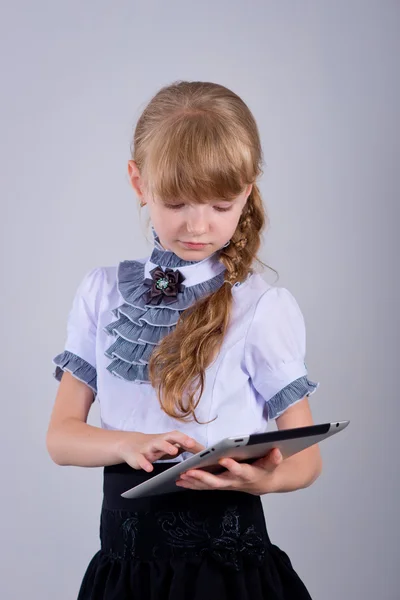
(182, 349)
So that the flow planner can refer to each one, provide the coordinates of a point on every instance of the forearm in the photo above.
(297, 472)
(76, 443)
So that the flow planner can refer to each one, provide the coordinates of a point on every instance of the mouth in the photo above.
(194, 245)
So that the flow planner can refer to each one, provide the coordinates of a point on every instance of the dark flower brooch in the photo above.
(164, 286)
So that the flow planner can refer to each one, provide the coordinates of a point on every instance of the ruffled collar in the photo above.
(193, 271)
(155, 293)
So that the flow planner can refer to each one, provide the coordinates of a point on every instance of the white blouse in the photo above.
(120, 313)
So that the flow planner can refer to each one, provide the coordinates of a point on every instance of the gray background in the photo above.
(322, 81)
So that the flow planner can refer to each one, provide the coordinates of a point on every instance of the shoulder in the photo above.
(278, 303)
(277, 323)
(96, 282)
(261, 298)
(103, 280)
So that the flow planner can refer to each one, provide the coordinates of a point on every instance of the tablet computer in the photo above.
(243, 448)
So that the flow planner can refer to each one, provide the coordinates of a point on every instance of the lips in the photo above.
(195, 243)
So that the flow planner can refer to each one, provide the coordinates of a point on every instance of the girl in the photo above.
(182, 349)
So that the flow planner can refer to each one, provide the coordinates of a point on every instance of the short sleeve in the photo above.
(79, 356)
(275, 351)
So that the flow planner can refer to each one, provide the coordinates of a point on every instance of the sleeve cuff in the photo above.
(289, 395)
(79, 368)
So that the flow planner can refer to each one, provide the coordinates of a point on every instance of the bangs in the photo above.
(198, 158)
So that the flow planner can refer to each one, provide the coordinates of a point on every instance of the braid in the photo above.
(200, 141)
(239, 255)
(178, 364)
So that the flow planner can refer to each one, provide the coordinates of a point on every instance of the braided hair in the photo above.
(178, 364)
(199, 141)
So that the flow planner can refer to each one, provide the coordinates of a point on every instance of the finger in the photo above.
(165, 447)
(204, 480)
(141, 462)
(239, 470)
(194, 485)
(190, 483)
(271, 461)
(178, 453)
(276, 456)
(197, 447)
(180, 449)
(177, 437)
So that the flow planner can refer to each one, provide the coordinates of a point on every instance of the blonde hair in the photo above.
(199, 141)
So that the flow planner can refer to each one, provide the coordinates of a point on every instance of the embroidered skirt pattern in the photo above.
(190, 545)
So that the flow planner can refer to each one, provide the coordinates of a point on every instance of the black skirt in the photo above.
(190, 545)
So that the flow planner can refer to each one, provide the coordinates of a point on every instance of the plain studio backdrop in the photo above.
(321, 78)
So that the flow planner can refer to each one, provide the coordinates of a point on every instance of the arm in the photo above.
(71, 441)
(302, 469)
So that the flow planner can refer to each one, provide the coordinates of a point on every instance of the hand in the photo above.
(256, 479)
(139, 450)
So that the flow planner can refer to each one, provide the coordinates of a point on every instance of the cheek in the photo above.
(230, 222)
(165, 222)
(156, 215)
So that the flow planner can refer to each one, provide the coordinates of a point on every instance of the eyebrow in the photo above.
(211, 201)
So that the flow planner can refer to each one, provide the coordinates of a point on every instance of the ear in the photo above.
(135, 179)
(246, 195)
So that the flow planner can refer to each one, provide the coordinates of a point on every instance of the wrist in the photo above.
(292, 474)
(271, 483)
(125, 443)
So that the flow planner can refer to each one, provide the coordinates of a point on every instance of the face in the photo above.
(192, 231)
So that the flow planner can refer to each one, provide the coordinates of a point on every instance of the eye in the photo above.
(174, 206)
(222, 209)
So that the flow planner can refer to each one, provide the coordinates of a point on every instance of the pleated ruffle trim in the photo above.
(141, 325)
(290, 394)
(82, 370)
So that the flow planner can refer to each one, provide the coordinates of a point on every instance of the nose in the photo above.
(196, 221)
